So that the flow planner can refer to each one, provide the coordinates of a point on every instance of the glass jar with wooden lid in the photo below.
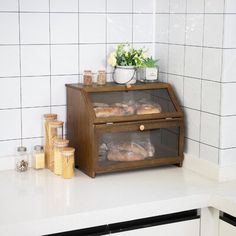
(55, 129)
(68, 162)
(59, 145)
(47, 118)
(101, 77)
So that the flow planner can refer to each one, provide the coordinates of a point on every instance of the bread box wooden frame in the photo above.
(84, 128)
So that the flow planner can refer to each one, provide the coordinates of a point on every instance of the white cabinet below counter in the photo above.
(227, 225)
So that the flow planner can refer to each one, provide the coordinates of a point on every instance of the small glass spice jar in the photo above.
(88, 77)
(101, 77)
(38, 157)
(68, 162)
(22, 159)
(59, 145)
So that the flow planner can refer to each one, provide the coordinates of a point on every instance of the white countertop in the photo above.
(39, 202)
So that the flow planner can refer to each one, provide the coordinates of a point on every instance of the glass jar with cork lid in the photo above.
(101, 77)
(59, 145)
(22, 159)
(68, 162)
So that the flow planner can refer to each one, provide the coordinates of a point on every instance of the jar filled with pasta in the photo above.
(55, 129)
(68, 162)
(59, 145)
(47, 118)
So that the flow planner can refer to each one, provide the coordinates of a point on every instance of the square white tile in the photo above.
(143, 6)
(162, 28)
(227, 157)
(162, 6)
(192, 148)
(209, 153)
(9, 93)
(90, 32)
(64, 5)
(228, 132)
(9, 148)
(228, 96)
(64, 28)
(177, 28)
(9, 5)
(32, 121)
(119, 6)
(210, 129)
(163, 77)
(193, 61)
(192, 124)
(119, 28)
(230, 31)
(214, 6)
(212, 63)
(229, 65)
(177, 84)
(10, 124)
(195, 6)
(162, 56)
(194, 29)
(64, 59)
(149, 48)
(34, 5)
(92, 57)
(35, 60)
(230, 6)
(211, 96)
(32, 90)
(177, 6)
(176, 59)
(92, 6)
(192, 93)
(34, 28)
(9, 61)
(143, 28)
(9, 28)
(59, 88)
(213, 30)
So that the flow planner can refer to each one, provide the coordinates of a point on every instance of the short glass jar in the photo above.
(38, 157)
(101, 77)
(88, 77)
(68, 163)
(22, 159)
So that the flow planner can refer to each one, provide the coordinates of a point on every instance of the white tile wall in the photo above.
(209, 153)
(10, 5)
(143, 6)
(228, 97)
(63, 6)
(162, 28)
(34, 5)
(195, 6)
(177, 28)
(214, 6)
(229, 65)
(230, 31)
(119, 6)
(91, 5)
(176, 59)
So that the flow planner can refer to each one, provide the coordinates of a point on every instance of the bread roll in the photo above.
(117, 155)
(132, 147)
(108, 111)
(145, 109)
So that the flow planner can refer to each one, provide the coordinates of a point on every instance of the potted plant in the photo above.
(125, 60)
(149, 70)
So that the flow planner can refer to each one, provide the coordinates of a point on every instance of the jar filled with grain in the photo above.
(101, 77)
(88, 77)
(22, 159)
(38, 158)
(59, 145)
(47, 118)
(68, 163)
(55, 130)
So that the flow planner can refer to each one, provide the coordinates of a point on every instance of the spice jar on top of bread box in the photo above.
(88, 77)
(47, 118)
(59, 145)
(101, 77)
(55, 130)
(68, 162)
(38, 157)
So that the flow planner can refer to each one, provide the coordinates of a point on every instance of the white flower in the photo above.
(112, 59)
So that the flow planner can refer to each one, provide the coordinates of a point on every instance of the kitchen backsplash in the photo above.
(45, 44)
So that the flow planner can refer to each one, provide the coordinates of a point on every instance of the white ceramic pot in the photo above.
(151, 74)
(125, 75)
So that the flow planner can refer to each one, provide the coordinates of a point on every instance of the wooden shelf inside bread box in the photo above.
(119, 127)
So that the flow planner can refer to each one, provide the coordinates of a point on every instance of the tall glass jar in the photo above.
(55, 129)
(22, 159)
(38, 157)
(68, 163)
(47, 118)
(59, 145)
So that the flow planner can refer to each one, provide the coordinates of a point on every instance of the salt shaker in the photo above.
(38, 157)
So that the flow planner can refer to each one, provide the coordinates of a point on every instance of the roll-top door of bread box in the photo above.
(137, 145)
(116, 103)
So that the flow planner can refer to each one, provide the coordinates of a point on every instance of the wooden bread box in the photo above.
(123, 127)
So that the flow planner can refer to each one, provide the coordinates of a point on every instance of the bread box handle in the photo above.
(141, 127)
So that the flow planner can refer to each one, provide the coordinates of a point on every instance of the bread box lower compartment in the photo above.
(131, 146)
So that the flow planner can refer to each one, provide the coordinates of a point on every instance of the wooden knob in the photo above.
(141, 127)
(128, 86)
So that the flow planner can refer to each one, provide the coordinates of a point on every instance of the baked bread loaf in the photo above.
(132, 147)
(118, 155)
(108, 111)
(145, 109)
